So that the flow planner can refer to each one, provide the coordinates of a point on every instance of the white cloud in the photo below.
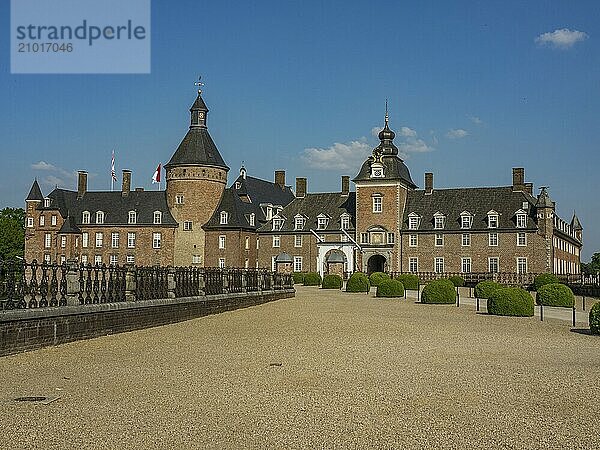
(42, 165)
(57, 176)
(53, 181)
(562, 38)
(375, 131)
(407, 132)
(476, 120)
(457, 133)
(413, 145)
(339, 156)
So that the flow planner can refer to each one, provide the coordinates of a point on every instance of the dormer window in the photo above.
(466, 220)
(132, 217)
(413, 221)
(157, 217)
(269, 213)
(46, 203)
(277, 224)
(439, 221)
(85, 217)
(99, 217)
(224, 218)
(238, 185)
(322, 221)
(345, 221)
(492, 219)
(521, 219)
(377, 170)
(298, 223)
(252, 219)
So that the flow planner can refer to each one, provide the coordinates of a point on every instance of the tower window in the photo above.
(377, 204)
(179, 199)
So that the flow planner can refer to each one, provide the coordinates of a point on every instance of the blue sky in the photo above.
(474, 89)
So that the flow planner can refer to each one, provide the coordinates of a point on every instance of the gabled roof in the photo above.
(262, 191)
(332, 204)
(197, 148)
(115, 206)
(35, 193)
(478, 201)
(69, 226)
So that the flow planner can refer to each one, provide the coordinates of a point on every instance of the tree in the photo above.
(12, 233)
(593, 266)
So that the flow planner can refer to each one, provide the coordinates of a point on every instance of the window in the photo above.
(377, 205)
(196, 259)
(269, 214)
(47, 257)
(132, 217)
(63, 259)
(222, 241)
(130, 259)
(53, 221)
(63, 241)
(466, 265)
(391, 238)
(179, 199)
(364, 238)
(413, 264)
(439, 240)
(114, 240)
(257, 243)
(246, 263)
(247, 243)
(114, 259)
(130, 240)
(345, 222)
(413, 240)
(187, 226)
(277, 224)
(298, 240)
(493, 239)
(84, 259)
(276, 241)
(47, 240)
(221, 263)
(466, 239)
(413, 222)
(492, 220)
(85, 237)
(493, 264)
(439, 221)
(46, 203)
(30, 221)
(297, 263)
(521, 220)
(156, 237)
(157, 217)
(321, 223)
(98, 260)
(298, 223)
(85, 217)
(224, 218)
(238, 185)
(466, 221)
(344, 238)
(42, 221)
(439, 265)
(521, 239)
(99, 239)
(99, 217)
(521, 265)
(252, 219)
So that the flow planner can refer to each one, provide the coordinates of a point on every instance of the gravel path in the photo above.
(323, 370)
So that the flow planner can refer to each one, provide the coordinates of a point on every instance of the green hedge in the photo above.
(298, 277)
(377, 277)
(510, 302)
(439, 291)
(358, 282)
(312, 279)
(390, 288)
(332, 281)
(543, 279)
(457, 281)
(410, 281)
(484, 289)
(595, 319)
(555, 294)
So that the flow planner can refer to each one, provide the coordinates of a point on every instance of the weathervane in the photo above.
(199, 84)
(386, 112)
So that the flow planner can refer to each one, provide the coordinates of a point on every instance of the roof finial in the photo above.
(199, 84)
(386, 112)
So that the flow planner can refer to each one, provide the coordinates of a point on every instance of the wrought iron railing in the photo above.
(101, 284)
(151, 283)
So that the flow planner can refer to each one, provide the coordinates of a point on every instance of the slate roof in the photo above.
(575, 223)
(394, 169)
(197, 148)
(115, 206)
(477, 201)
(259, 192)
(69, 226)
(35, 193)
(332, 204)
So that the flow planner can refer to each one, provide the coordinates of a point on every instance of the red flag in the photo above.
(156, 176)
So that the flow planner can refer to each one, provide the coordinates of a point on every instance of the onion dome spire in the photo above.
(386, 136)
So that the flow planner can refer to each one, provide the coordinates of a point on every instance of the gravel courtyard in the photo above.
(323, 370)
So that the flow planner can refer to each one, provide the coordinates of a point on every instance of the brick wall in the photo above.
(235, 251)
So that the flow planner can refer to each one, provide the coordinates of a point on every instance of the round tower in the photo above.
(196, 178)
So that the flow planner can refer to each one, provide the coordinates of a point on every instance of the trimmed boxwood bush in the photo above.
(439, 291)
(332, 281)
(410, 281)
(390, 288)
(555, 294)
(312, 279)
(595, 319)
(377, 277)
(510, 302)
(543, 279)
(298, 277)
(484, 289)
(358, 282)
(457, 281)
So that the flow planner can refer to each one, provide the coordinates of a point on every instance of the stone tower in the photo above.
(382, 185)
(545, 220)
(196, 178)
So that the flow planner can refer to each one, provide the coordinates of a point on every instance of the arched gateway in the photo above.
(376, 263)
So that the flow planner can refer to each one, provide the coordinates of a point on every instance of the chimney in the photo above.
(81, 183)
(139, 189)
(280, 178)
(518, 174)
(126, 183)
(529, 188)
(345, 184)
(300, 187)
(428, 183)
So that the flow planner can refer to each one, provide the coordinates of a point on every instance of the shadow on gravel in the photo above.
(585, 331)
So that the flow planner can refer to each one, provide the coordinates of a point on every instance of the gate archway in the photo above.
(376, 263)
